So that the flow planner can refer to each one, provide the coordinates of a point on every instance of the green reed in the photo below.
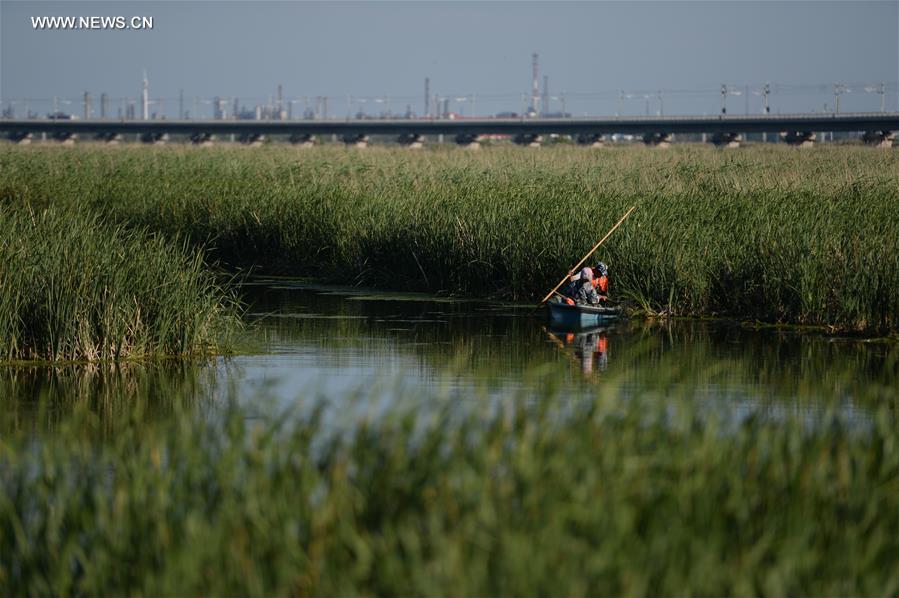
(74, 288)
(613, 495)
(769, 233)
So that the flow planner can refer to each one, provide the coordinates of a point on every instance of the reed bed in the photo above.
(768, 233)
(636, 496)
(73, 288)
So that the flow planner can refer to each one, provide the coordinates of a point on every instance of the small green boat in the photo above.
(562, 315)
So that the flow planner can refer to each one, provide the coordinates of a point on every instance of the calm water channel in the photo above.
(363, 349)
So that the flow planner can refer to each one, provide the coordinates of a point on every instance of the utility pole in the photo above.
(180, 104)
(724, 99)
(882, 92)
(104, 99)
(661, 104)
(535, 84)
(766, 91)
(427, 97)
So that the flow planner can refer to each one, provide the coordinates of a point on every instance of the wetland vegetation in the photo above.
(650, 495)
(692, 458)
(75, 288)
(773, 234)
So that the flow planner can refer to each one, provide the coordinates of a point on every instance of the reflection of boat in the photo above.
(587, 348)
(562, 315)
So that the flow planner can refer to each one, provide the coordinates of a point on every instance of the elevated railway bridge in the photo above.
(875, 128)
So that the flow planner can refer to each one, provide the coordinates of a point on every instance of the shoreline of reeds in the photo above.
(770, 234)
(75, 288)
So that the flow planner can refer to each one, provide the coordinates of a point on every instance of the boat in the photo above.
(563, 315)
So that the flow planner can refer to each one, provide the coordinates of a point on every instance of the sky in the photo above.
(602, 57)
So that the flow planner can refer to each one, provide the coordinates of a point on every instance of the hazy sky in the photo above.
(245, 48)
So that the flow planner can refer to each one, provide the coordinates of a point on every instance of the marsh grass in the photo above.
(765, 233)
(73, 288)
(613, 495)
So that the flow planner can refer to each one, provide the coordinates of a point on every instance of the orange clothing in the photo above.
(601, 284)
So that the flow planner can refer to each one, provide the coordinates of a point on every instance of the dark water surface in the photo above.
(362, 349)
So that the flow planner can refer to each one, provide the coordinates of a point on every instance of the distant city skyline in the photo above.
(607, 57)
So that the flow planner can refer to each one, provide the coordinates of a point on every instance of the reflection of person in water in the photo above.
(591, 347)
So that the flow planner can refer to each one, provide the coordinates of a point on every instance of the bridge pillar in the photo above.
(726, 139)
(468, 141)
(411, 140)
(108, 138)
(527, 139)
(154, 138)
(882, 139)
(356, 140)
(660, 140)
(20, 137)
(202, 139)
(798, 138)
(252, 139)
(64, 137)
(590, 139)
(303, 140)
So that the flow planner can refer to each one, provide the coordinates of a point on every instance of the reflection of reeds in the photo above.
(73, 288)
(491, 340)
(551, 497)
(766, 233)
(43, 397)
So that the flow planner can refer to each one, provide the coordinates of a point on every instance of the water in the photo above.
(360, 349)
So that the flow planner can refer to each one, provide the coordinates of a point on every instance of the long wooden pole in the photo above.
(589, 253)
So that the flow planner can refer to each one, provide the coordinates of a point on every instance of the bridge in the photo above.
(877, 128)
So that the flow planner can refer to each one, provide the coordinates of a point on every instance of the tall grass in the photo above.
(607, 496)
(74, 288)
(765, 233)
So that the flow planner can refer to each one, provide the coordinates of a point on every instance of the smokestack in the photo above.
(145, 98)
(88, 108)
(427, 96)
(535, 84)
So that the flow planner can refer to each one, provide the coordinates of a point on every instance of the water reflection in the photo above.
(589, 348)
(308, 341)
(41, 397)
(348, 333)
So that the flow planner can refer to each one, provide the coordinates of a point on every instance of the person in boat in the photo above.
(581, 289)
(590, 286)
(601, 280)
